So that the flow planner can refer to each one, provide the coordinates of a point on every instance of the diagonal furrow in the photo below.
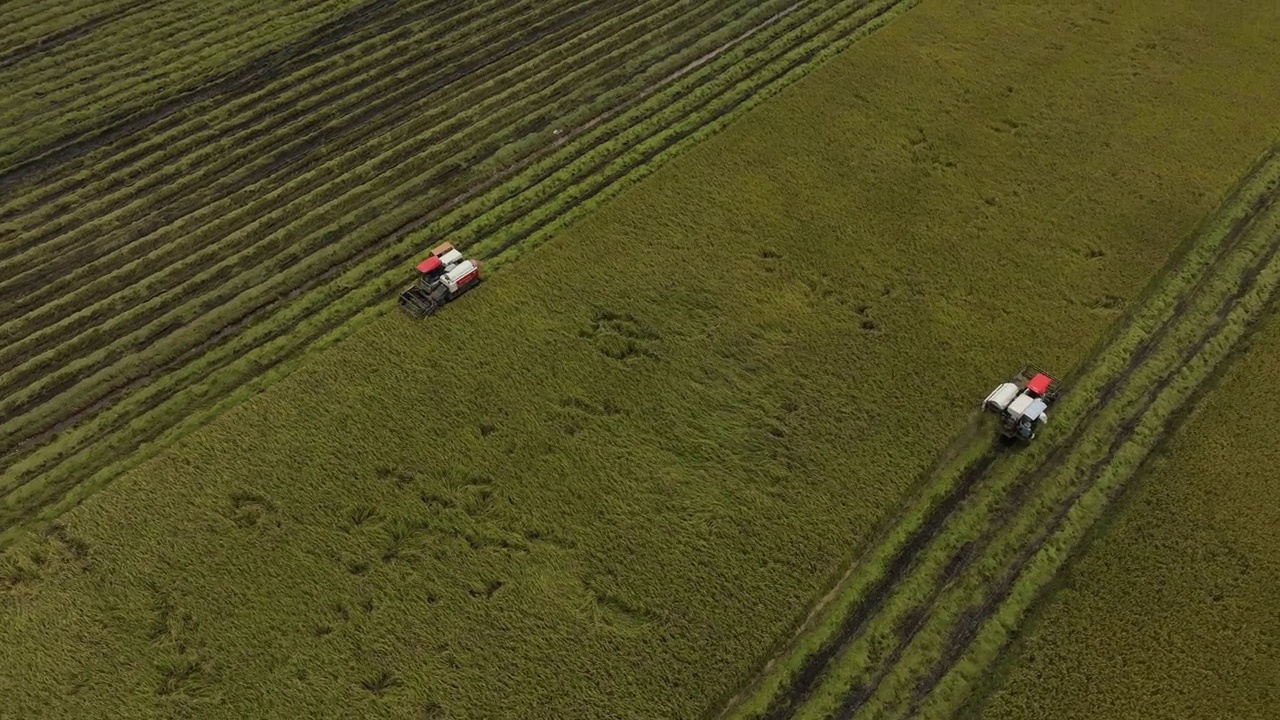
(323, 41)
(75, 32)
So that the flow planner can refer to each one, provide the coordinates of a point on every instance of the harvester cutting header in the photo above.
(442, 277)
(1022, 402)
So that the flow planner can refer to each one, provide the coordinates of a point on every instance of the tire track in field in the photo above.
(964, 631)
(813, 670)
(75, 32)
(965, 438)
(1020, 492)
(59, 487)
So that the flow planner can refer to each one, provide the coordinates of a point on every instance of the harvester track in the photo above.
(813, 670)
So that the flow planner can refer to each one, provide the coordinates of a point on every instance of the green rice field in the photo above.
(706, 442)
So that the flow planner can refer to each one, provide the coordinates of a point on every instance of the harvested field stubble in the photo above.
(608, 484)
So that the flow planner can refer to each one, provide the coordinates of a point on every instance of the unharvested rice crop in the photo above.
(610, 483)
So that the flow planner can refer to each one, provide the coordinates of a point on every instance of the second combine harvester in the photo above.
(442, 277)
(1022, 402)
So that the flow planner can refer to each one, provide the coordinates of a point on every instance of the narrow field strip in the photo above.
(41, 89)
(87, 31)
(336, 283)
(916, 616)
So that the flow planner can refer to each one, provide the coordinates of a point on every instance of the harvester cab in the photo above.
(442, 277)
(1023, 402)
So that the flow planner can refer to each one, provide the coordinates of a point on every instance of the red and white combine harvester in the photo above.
(1021, 403)
(442, 277)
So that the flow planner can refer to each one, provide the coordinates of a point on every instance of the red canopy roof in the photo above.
(1039, 384)
(431, 263)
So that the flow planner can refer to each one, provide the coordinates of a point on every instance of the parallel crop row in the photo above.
(192, 313)
(31, 30)
(930, 608)
(228, 140)
(35, 23)
(132, 62)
